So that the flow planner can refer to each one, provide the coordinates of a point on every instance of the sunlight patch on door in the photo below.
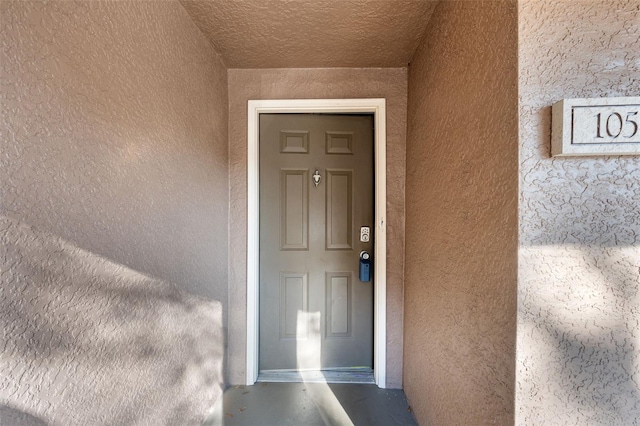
(308, 349)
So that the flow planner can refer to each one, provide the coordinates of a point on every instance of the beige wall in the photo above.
(113, 192)
(389, 83)
(87, 341)
(461, 245)
(578, 352)
(114, 135)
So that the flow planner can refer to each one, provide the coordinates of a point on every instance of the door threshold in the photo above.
(338, 375)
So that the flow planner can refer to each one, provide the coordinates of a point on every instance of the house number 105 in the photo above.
(614, 125)
(596, 126)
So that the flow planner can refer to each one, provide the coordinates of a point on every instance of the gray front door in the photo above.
(315, 313)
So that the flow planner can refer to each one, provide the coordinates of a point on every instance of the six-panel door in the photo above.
(315, 313)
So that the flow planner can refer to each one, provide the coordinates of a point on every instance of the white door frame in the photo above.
(378, 108)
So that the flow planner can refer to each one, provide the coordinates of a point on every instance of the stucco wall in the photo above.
(113, 189)
(389, 83)
(87, 341)
(461, 244)
(578, 357)
(114, 135)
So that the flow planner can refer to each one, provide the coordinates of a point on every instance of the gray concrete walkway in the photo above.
(275, 404)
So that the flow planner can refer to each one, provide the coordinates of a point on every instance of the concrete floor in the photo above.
(274, 404)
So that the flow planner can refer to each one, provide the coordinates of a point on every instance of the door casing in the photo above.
(377, 107)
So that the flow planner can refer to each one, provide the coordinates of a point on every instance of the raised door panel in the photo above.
(294, 209)
(294, 141)
(338, 304)
(294, 296)
(339, 210)
(339, 142)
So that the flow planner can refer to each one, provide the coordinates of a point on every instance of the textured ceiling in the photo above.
(312, 33)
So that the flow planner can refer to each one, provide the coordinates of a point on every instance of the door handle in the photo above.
(365, 266)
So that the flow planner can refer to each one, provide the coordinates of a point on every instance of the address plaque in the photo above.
(596, 126)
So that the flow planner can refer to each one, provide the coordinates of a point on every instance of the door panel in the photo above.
(339, 219)
(294, 297)
(315, 313)
(339, 307)
(294, 208)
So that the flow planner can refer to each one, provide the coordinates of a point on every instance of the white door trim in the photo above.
(378, 108)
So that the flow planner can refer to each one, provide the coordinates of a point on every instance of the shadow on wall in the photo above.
(579, 285)
(583, 322)
(10, 416)
(88, 341)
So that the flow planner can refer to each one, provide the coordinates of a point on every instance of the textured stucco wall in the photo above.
(389, 83)
(578, 357)
(114, 135)
(113, 184)
(461, 244)
(87, 341)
